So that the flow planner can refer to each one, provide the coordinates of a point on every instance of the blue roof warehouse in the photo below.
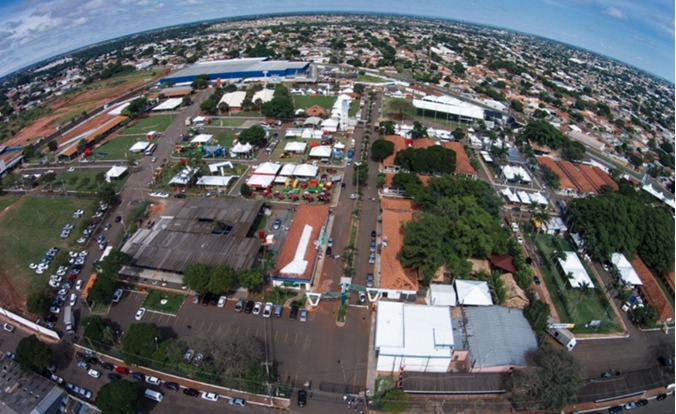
(236, 69)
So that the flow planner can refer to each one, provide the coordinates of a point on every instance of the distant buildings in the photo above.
(240, 69)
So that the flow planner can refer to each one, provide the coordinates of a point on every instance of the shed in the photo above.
(202, 139)
(168, 105)
(115, 173)
(440, 295)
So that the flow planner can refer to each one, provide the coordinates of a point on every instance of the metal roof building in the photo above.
(239, 69)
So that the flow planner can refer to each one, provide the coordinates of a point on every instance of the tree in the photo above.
(119, 397)
(517, 105)
(408, 182)
(251, 279)
(395, 401)
(550, 383)
(418, 131)
(209, 106)
(536, 312)
(52, 145)
(103, 288)
(221, 279)
(136, 108)
(245, 190)
(381, 149)
(140, 342)
(28, 151)
(359, 89)
(361, 173)
(279, 107)
(645, 315)
(200, 82)
(400, 107)
(96, 330)
(254, 135)
(387, 128)
(458, 134)
(223, 107)
(33, 354)
(196, 276)
(38, 303)
(106, 193)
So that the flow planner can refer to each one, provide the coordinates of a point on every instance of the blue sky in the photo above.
(638, 32)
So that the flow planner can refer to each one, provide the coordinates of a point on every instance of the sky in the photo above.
(637, 32)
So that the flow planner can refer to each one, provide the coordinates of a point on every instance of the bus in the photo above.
(68, 320)
(151, 148)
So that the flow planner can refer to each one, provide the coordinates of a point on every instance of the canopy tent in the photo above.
(295, 146)
(202, 139)
(473, 292)
(313, 120)
(510, 195)
(268, 168)
(305, 170)
(339, 146)
(330, 125)
(574, 271)
(260, 181)
(626, 270)
(287, 170)
(169, 104)
(184, 176)
(139, 147)
(115, 172)
(239, 149)
(216, 180)
(321, 151)
(440, 295)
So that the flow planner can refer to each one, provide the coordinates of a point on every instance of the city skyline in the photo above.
(640, 34)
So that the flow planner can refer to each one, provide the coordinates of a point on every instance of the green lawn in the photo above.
(354, 107)
(307, 101)
(223, 137)
(574, 305)
(158, 123)
(369, 78)
(226, 122)
(154, 301)
(118, 149)
(30, 229)
(247, 114)
(85, 181)
(6, 200)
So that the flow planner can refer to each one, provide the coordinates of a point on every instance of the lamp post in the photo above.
(357, 171)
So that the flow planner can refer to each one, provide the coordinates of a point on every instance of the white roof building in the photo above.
(449, 105)
(473, 293)
(216, 180)
(115, 172)
(184, 176)
(295, 146)
(260, 181)
(139, 146)
(330, 125)
(268, 168)
(305, 170)
(510, 195)
(321, 151)
(233, 99)
(573, 267)
(287, 170)
(440, 295)
(202, 139)
(219, 166)
(511, 173)
(169, 104)
(626, 270)
(418, 338)
(265, 95)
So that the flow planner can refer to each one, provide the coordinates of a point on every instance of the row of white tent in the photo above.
(268, 173)
(523, 197)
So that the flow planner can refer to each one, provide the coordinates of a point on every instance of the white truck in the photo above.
(564, 336)
(69, 320)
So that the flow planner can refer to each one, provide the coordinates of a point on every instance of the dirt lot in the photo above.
(72, 105)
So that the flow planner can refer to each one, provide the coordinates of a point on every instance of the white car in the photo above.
(210, 396)
(354, 196)
(73, 299)
(221, 301)
(78, 284)
(71, 169)
(257, 308)
(140, 313)
(94, 373)
(153, 380)
(267, 312)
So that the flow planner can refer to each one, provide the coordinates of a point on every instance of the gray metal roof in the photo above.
(176, 242)
(23, 392)
(497, 336)
(237, 65)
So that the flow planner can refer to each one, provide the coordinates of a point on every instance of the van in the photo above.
(278, 311)
(153, 395)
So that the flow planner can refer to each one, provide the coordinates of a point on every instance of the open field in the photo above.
(223, 137)
(29, 228)
(83, 181)
(369, 78)
(154, 301)
(576, 305)
(6, 201)
(307, 101)
(226, 122)
(117, 148)
(87, 98)
(158, 123)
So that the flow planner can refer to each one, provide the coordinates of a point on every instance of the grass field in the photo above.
(84, 181)
(154, 301)
(29, 229)
(6, 200)
(369, 78)
(248, 114)
(226, 122)
(574, 305)
(354, 107)
(223, 137)
(307, 101)
(118, 148)
(158, 123)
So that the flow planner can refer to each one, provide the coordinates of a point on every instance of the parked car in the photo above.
(641, 403)
(267, 311)
(196, 299)
(237, 402)
(276, 224)
(140, 313)
(630, 405)
(369, 280)
(661, 397)
(117, 295)
(108, 366)
(56, 379)
(172, 386)
(138, 376)
(122, 370)
(615, 409)
(330, 242)
(94, 373)
(294, 312)
(302, 398)
(191, 392)
(210, 396)
(536, 280)
(303, 315)
(153, 380)
(83, 365)
(249, 306)
(188, 355)
(257, 308)
(372, 258)
(239, 306)
(113, 376)
(221, 301)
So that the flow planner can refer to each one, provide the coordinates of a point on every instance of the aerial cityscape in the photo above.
(325, 211)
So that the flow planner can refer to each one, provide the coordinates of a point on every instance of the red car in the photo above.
(122, 370)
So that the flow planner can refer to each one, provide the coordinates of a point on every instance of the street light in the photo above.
(356, 169)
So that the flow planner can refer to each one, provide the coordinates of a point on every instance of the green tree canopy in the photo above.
(251, 279)
(458, 134)
(136, 108)
(254, 135)
(221, 279)
(431, 160)
(418, 131)
(550, 383)
(96, 330)
(37, 302)
(196, 276)
(279, 107)
(381, 149)
(400, 107)
(119, 397)
(140, 342)
(387, 128)
(408, 182)
(245, 190)
(33, 354)
(394, 401)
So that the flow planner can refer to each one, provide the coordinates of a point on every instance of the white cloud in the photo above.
(615, 13)
(30, 26)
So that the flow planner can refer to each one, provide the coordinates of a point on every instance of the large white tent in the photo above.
(239, 149)
(330, 125)
(202, 139)
(320, 151)
(216, 180)
(574, 271)
(440, 295)
(626, 270)
(287, 170)
(260, 181)
(115, 172)
(473, 292)
(305, 170)
(295, 146)
(139, 146)
(268, 168)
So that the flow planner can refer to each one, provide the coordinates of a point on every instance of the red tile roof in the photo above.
(462, 164)
(651, 292)
(564, 181)
(503, 262)
(399, 145)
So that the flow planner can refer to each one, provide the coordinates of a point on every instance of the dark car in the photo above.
(249, 306)
(294, 312)
(641, 403)
(179, 195)
(615, 409)
(138, 376)
(661, 397)
(302, 398)
(191, 392)
(206, 298)
(118, 219)
(108, 366)
(92, 360)
(536, 279)
(113, 376)
(329, 251)
(172, 386)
